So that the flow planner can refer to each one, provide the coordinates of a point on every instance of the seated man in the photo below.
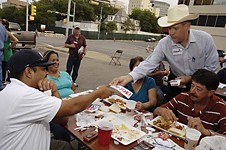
(27, 110)
(199, 108)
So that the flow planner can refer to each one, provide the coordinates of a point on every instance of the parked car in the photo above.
(27, 39)
(150, 40)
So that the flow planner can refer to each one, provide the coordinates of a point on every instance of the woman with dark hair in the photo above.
(65, 87)
(62, 79)
(144, 89)
(7, 52)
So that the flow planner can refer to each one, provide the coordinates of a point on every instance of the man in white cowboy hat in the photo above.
(186, 51)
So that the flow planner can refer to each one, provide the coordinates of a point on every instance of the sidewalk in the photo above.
(90, 54)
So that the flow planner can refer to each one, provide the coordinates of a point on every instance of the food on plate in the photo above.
(119, 102)
(164, 135)
(162, 123)
(115, 108)
(112, 100)
(99, 116)
(180, 127)
(120, 127)
(173, 127)
(104, 108)
(177, 131)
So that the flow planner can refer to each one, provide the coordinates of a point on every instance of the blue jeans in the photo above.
(1, 59)
(73, 62)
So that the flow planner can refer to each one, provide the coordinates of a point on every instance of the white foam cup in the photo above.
(191, 138)
(131, 104)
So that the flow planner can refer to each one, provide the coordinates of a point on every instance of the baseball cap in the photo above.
(77, 28)
(26, 58)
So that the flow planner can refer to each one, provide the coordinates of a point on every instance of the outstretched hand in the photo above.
(122, 80)
(104, 91)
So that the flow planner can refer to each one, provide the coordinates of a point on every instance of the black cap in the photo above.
(26, 58)
(77, 28)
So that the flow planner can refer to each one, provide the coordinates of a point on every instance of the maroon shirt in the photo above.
(212, 117)
(81, 41)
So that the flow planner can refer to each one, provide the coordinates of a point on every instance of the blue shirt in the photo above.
(199, 53)
(3, 36)
(63, 83)
(142, 94)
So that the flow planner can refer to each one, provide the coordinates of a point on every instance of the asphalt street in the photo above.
(95, 69)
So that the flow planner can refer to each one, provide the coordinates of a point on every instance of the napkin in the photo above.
(80, 50)
(212, 143)
(221, 85)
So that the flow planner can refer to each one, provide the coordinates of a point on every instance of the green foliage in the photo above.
(108, 27)
(128, 25)
(13, 14)
(83, 12)
(148, 20)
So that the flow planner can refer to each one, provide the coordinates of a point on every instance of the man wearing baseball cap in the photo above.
(77, 50)
(186, 50)
(26, 110)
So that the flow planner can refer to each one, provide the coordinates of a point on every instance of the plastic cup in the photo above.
(131, 104)
(104, 132)
(191, 138)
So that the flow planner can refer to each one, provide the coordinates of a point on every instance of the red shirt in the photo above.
(213, 116)
(81, 41)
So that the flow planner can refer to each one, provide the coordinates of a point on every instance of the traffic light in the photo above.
(65, 20)
(33, 10)
(31, 18)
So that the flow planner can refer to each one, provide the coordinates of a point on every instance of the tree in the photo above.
(148, 20)
(128, 25)
(108, 27)
(13, 14)
(83, 12)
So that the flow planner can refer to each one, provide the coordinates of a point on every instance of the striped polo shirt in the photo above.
(213, 116)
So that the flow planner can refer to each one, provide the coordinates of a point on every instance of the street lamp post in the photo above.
(27, 17)
(68, 17)
(101, 9)
(74, 16)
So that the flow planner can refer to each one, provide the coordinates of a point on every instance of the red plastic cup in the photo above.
(104, 132)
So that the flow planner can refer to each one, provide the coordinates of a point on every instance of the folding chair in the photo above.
(115, 58)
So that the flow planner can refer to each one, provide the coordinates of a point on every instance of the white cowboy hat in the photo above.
(176, 14)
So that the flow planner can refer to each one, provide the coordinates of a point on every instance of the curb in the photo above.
(90, 54)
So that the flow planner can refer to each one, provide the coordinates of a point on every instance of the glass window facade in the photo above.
(207, 2)
(186, 2)
(203, 2)
(210, 21)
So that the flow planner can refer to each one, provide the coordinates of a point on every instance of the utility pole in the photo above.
(27, 17)
(101, 9)
(68, 17)
(73, 16)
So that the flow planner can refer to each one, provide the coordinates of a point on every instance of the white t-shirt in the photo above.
(25, 114)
